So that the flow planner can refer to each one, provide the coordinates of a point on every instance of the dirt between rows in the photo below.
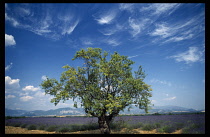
(19, 130)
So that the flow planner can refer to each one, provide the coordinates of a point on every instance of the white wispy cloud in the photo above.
(87, 42)
(137, 25)
(161, 82)
(158, 9)
(30, 88)
(170, 98)
(133, 56)
(191, 23)
(180, 38)
(8, 67)
(9, 40)
(43, 27)
(126, 6)
(69, 28)
(24, 12)
(38, 25)
(190, 56)
(110, 30)
(186, 29)
(106, 17)
(113, 42)
(162, 30)
(45, 24)
(13, 21)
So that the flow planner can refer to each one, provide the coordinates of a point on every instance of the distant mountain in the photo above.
(80, 111)
(172, 109)
(56, 112)
(10, 112)
(160, 110)
(52, 112)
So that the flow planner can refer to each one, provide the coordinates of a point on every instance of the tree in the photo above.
(103, 88)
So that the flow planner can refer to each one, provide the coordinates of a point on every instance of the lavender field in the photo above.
(189, 123)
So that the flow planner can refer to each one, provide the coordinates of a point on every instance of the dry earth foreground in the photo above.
(19, 130)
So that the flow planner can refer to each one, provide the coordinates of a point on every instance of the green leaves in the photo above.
(89, 54)
(51, 86)
(101, 86)
(140, 74)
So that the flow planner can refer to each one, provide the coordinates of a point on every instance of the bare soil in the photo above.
(19, 130)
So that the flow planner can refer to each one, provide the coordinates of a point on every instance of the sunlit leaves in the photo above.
(101, 86)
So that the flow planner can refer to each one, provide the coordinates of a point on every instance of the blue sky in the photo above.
(168, 40)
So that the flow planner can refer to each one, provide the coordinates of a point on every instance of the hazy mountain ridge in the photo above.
(80, 111)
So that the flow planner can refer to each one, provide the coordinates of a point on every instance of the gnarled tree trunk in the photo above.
(104, 124)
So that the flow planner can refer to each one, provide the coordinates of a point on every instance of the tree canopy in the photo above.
(102, 87)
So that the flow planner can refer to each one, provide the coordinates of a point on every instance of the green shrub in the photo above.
(16, 124)
(75, 127)
(166, 129)
(42, 127)
(31, 127)
(63, 129)
(118, 125)
(23, 125)
(135, 126)
(194, 125)
(157, 125)
(179, 125)
(186, 130)
(148, 127)
(51, 128)
(92, 126)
